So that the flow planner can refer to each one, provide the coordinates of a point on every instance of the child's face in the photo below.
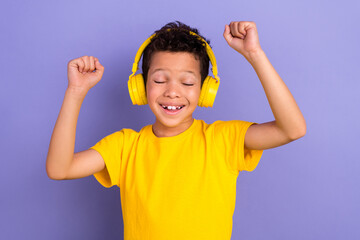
(173, 81)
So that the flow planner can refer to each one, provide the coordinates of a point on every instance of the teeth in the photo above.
(171, 107)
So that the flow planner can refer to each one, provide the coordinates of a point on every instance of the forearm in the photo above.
(288, 116)
(62, 143)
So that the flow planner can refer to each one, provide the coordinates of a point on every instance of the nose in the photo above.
(172, 90)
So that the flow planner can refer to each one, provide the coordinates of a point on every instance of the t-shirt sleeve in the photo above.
(110, 148)
(230, 137)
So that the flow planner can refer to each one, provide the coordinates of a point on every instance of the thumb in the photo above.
(227, 35)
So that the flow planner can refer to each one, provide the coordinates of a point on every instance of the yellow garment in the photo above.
(180, 187)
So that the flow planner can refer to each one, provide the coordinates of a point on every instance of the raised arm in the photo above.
(61, 162)
(289, 122)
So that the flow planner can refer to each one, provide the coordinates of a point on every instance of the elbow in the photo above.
(53, 175)
(299, 132)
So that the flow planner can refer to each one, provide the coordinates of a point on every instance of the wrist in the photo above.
(254, 56)
(76, 92)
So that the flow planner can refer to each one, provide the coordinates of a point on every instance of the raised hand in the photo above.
(84, 73)
(243, 37)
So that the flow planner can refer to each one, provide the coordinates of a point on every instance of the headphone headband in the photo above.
(147, 42)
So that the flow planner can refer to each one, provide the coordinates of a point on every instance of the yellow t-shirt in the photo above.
(180, 187)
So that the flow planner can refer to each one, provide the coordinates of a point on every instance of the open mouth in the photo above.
(172, 109)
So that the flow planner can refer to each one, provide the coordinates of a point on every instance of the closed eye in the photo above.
(158, 82)
(188, 84)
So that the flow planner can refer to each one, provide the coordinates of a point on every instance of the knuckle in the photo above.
(71, 62)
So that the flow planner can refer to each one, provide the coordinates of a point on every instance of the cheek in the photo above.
(195, 94)
(147, 88)
(151, 93)
(149, 96)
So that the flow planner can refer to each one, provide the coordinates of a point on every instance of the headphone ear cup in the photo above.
(208, 92)
(136, 88)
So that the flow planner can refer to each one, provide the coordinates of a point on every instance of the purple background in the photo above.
(308, 189)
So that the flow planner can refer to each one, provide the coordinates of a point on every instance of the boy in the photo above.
(177, 177)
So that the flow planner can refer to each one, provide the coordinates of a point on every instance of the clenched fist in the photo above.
(243, 37)
(84, 73)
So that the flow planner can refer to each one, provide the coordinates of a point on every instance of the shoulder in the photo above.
(119, 135)
(230, 125)
(220, 128)
(123, 132)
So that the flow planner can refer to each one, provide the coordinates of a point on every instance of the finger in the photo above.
(234, 30)
(87, 63)
(250, 25)
(99, 67)
(241, 28)
(81, 64)
(92, 64)
(227, 35)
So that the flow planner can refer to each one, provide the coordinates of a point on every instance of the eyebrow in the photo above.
(161, 69)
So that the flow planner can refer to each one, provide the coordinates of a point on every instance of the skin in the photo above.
(61, 162)
(289, 123)
(173, 79)
(85, 72)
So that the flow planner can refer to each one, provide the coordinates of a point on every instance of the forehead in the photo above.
(174, 62)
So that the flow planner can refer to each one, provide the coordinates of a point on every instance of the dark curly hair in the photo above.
(178, 39)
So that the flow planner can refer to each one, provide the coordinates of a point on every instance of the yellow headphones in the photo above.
(209, 88)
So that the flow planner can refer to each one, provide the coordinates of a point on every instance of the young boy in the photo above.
(177, 177)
